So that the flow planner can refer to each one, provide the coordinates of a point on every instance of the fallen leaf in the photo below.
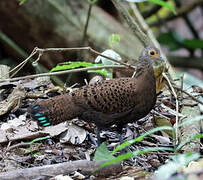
(74, 135)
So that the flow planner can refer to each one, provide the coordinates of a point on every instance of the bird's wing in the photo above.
(110, 97)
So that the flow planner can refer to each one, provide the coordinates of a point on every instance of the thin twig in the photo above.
(23, 54)
(191, 105)
(38, 58)
(177, 105)
(193, 97)
(20, 145)
(23, 63)
(41, 51)
(87, 22)
(83, 48)
(181, 84)
(62, 72)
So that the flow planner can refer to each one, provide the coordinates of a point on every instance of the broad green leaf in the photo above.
(103, 72)
(179, 161)
(140, 138)
(77, 64)
(71, 65)
(102, 153)
(107, 73)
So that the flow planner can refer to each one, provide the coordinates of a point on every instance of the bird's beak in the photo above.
(159, 62)
(161, 59)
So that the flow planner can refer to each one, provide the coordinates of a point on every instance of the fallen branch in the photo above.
(84, 166)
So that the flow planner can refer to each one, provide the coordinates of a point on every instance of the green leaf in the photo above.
(198, 136)
(159, 2)
(164, 4)
(102, 153)
(177, 37)
(151, 149)
(114, 39)
(132, 154)
(169, 40)
(92, 2)
(136, 0)
(117, 159)
(22, 2)
(140, 138)
(77, 64)
(193, 43)
(104, 72)
(38, 139)
(71, 65)
(174, 41)
(178, 161)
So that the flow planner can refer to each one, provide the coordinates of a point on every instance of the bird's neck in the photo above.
(143, 68)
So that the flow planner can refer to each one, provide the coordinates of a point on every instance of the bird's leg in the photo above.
(119, 133)
(92, 140)
(99, 139)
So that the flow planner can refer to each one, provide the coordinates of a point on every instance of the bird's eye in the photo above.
(153, 53)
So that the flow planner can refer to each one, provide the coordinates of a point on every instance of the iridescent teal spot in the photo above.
(38, 114)
(41, 118)
(47, 124)
(43, 121)
(36, 107)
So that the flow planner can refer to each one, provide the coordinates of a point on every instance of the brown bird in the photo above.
(110, 102)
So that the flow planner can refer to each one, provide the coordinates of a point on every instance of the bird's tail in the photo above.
(54, 110)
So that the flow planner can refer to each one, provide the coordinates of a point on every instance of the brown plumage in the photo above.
(116, 101)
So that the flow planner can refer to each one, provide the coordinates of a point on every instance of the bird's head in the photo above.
(151, 55)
